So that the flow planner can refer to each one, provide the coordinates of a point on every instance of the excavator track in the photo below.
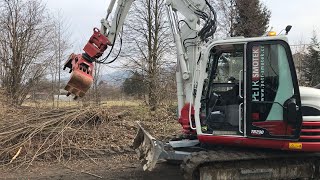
(249, 164)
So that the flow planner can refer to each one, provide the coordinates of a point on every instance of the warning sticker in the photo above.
(295, 145)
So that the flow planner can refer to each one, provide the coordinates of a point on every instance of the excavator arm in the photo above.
(81, 65)
(191, 26)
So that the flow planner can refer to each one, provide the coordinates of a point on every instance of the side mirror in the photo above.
(288, 28)
(291, 111)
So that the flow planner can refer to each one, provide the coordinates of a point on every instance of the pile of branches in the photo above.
(28, 134)
(53, 134)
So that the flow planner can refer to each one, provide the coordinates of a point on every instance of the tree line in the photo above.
(34, 43)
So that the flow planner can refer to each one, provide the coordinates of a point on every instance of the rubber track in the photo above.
(191, 164)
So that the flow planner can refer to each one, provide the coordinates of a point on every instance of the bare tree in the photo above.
(148, 45)
(226, 14)
(24, 46)
(96, 84)
(299, 51)
(61, 45)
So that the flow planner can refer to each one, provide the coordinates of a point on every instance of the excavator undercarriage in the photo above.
(207, 162)
(228, 164)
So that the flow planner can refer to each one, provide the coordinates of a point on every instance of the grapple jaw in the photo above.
(81, 75)
(147, 148)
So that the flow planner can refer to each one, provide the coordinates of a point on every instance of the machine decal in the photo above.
(274, 128)
(262, 67)
(257, 132)
(258, 68)
(295, 145)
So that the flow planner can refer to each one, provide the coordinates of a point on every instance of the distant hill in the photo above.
(115, 78)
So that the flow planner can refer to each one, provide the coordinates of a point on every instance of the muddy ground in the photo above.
(117, 167)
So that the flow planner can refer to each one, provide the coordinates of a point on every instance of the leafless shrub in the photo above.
(25, 30)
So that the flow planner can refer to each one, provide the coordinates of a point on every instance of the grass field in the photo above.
(80, 103)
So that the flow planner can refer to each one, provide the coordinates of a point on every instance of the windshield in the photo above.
(221, 89)
(224, 66)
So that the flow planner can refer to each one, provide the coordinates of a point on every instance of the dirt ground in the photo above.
(122, 167)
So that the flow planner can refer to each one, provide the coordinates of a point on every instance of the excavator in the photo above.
(242, 112)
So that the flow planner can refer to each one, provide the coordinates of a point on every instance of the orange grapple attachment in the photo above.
(81, 75)
(81, 66)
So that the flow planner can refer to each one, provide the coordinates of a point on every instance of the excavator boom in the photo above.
(81, 66)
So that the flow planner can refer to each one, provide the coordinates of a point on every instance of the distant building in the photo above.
(63, 96)
(39, 96)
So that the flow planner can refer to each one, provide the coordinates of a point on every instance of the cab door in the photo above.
(273, 105)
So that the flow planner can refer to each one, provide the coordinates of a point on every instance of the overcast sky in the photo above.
(303, 15)
(83, 15)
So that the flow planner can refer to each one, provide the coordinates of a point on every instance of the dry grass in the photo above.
(49, 104)
(63, 104)
(121, 103)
